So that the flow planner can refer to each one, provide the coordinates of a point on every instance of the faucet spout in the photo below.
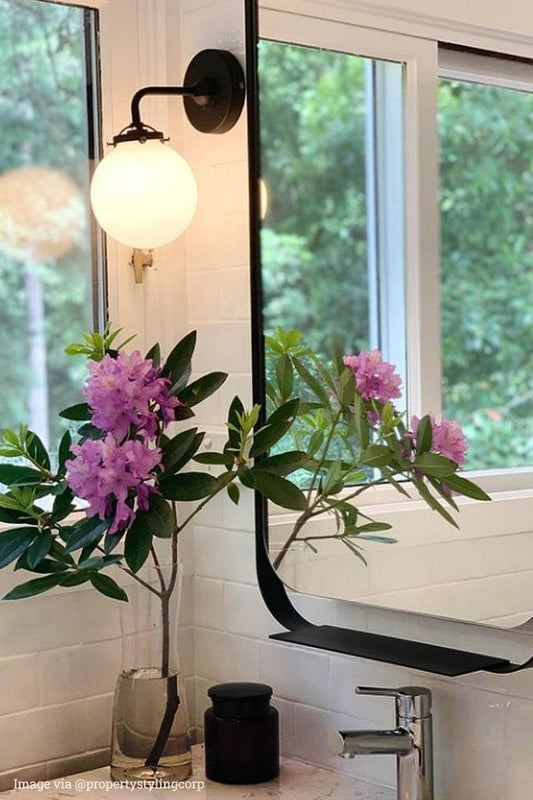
(349, 744)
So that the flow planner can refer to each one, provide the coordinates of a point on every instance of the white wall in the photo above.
(482, 722)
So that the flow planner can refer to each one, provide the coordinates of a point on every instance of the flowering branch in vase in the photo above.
(130, 473)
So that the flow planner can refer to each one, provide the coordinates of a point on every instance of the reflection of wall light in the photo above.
(263, 199)
(144, 193)
(42, 213)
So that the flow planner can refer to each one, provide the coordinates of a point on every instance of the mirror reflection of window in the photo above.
(46, 253)
(486, 142)
(332, 236)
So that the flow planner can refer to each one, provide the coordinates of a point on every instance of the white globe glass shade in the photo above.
(144, 195)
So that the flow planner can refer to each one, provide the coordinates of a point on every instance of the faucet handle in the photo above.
(412, 702)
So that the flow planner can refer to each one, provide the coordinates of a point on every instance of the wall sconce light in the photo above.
(143, 193)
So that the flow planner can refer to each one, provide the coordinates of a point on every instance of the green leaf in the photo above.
(347, 388)
(235, 411)
(424, 435)
(442, 491)
(183, 412)
(39, 549)
(374, 527)
(45, 566)
(158, 518)
(14, 542)
(13, 475)
(276, 426)
(89, 431)
(283, 463)
(112, 541)
(75, 578)
(435, 465)
(360, 419)
(38, 451)
(180, 449)
(84, 533)
(107, 586)
(433, 502)
(233, 492)
(332, 483)
(376, 455)
(137, 544)
(179, 361)
(285, 413)
(33, 587)
(154, 353)
(63, 452)
(348, 512)
(11, 437)
(80, 412)
(59, 553)
(465, 487)
(316, 441)
(284, 376)
(356, 551)
(280, 491)
(213, 458)
(63, 505)
(246, 477)
(199, 390)
(189, 486)
(315, 386)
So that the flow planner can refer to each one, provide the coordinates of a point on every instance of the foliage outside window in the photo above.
(45, 244)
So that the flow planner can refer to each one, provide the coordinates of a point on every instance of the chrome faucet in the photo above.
(411, 740)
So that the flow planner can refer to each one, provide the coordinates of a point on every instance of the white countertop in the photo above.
(297, 781)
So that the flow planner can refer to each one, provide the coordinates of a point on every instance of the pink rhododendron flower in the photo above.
(105, 471)
(448, 438)
(125, 391)
(375, 379)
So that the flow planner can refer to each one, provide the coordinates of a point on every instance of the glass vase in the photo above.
(150, 738)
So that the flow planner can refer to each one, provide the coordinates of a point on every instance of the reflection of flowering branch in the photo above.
(356, 439)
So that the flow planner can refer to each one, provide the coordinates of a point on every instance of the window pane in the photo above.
(46, 258)
(486, 142)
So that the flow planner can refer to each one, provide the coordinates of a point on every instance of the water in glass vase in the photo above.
(150, 740)
(140, 707)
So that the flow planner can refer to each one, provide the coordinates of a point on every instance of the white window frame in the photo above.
(339, 27)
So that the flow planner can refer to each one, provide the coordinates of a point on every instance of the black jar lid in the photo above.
(240, 700)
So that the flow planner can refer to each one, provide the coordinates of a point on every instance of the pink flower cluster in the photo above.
(104, 471)
(130, 403)
(448, 438)
(375, 379)
(124, 391)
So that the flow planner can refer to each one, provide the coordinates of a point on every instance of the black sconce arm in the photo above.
(213, 97)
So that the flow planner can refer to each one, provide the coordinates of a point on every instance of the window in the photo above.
(48, 258)
(402, 150)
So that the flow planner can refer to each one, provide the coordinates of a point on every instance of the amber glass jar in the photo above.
(241, 734)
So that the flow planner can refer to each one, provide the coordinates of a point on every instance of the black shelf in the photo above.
(404, 653)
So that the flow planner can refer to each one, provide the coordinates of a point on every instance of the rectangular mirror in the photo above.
(395, 202)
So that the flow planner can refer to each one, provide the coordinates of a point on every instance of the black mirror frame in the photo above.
(402, 652)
